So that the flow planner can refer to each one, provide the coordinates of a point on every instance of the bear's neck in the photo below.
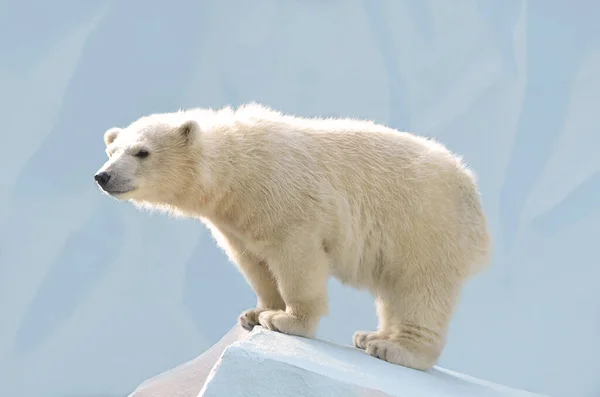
(216, 175)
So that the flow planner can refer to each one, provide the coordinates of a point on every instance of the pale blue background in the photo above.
(96, 296)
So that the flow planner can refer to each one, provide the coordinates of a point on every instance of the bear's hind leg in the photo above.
(413, 321)
(362, 338)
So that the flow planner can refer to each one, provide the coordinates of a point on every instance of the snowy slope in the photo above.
(264, 363)
(96, 297)
(272, 364)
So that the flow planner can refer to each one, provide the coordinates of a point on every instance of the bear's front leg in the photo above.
(261, 280)
(268, 299)
(301, 270)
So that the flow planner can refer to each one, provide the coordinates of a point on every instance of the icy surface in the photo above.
(187, 379)
(95, 296)
(272, 364)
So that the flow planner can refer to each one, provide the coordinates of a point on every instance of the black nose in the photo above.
(102, 178)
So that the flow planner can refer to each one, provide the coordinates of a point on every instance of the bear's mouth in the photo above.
(114, 192)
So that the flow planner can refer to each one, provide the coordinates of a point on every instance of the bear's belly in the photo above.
(352, 271)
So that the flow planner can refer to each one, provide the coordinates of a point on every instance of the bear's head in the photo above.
(151, 162)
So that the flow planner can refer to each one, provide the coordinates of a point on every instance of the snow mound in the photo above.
(265, 363)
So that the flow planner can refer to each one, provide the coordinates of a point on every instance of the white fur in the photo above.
(295, 200)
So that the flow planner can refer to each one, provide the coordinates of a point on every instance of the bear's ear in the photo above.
(110, 135)
(188, 130)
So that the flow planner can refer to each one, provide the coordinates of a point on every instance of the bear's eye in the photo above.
(142, 154)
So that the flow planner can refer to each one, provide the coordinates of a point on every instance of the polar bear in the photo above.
(295, 200)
